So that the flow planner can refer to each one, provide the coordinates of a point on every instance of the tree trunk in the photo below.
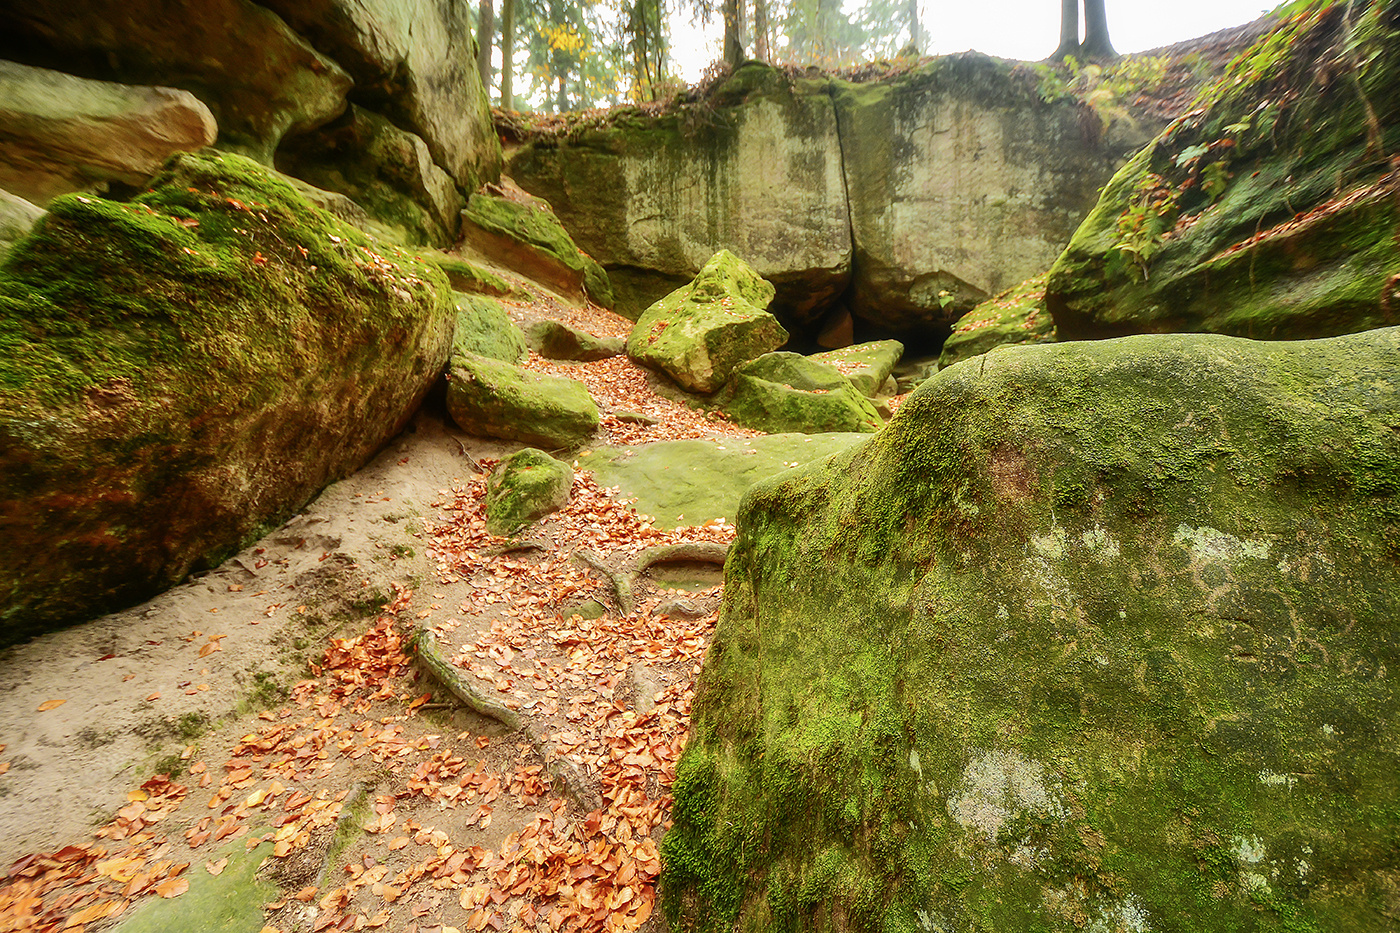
(916, 38)
(733, 44)
(1096, 46)
(486, 25)
(761, 50)
(507, 54)
(1069, 30)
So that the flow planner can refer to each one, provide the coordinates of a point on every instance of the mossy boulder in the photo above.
(261, 80)
(528, 238)
(754, 169)
(1270, 212)
(496, 399)
(387, 171)
(556, 340)
(1092, 636)
(1014, 317)
(701, 331)
(184, 370)
(780, 393)
(867, 365)
(483, 328)
(524, 487)
(17, 218)
(471, 278)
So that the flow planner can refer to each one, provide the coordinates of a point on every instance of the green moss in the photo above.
(785, 392)
(525, 486)
(534, 224)
(942, 693)
(483, 327)
(1015, 316)
(867, 365)
(470, 278)
(496, 399)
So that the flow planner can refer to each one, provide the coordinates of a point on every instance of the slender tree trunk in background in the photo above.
(733, 44)
(1096, 46)
(761, 49)
(916, 38)
(507, 56)
(561, 102)
(486, 25)
(1069, 30)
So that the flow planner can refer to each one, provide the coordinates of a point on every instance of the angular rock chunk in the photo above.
(260, 79)
(413, 61)
(1108, 618)
(484, 328)
(59, 133)
(1015, 316)
(388, 172)
(181, 371)
(784, 392)
(529, 238)
(496, 399)
(525, 486)
(1268, 213)
(17, 218)
(471, 278)
(558, 341)
(701, 331)
(867, 365)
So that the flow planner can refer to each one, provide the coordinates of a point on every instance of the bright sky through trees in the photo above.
(1026, 29)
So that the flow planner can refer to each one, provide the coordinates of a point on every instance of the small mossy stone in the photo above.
(470, 278)
(525, 486)
(1016, 316)
(528, 238)
(785, 392)
(556, 340)
(867, 365)
(497, 399)
(701, 331)
(483, 328)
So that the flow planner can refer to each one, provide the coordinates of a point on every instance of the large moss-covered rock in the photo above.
(1092, 636)
(779, 393)
(388, 172)
(484, 328)
(556, 340)
(1015, 316)
(1270, 213)
(59, 133)
(529, 238)
(963, 180)
(496, 399)
(180, 372)
(260, 79)
(701, 331)
(472, 278)
(755, 170)
(414, 62)
(867, 365)
(525, 486)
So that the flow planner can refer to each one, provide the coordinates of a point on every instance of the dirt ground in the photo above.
(270, 712)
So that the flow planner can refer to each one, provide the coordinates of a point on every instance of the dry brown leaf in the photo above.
(47, 705)
(173, 887)
(215, 868)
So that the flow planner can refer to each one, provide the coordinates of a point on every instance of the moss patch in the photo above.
(484, 328)
(1016, 316)
(496, 399)
(527, 485)
(783, 392)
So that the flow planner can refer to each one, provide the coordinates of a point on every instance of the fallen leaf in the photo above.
(173, 887)
(215, 868)
(154, 696)
(50, 704)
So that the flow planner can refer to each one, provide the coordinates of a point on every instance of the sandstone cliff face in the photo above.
(909, 198)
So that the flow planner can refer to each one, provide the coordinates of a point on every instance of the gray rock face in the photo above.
(961, 181)
(388, 172)
(207, 48)
(764, 181)
(17, 218)
(59, 133)
(412, 60)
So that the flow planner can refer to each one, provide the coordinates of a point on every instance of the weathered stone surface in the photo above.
(695, 481)
(1267, 214)
(59, 133)
(17, 218)
(1092, 635)
(867, 365)
(524, 487)
(178, 373)
(781, 393)
(471, 278)
(413, 61)
(388, 172)
(260, 79)
(701, 331)
(962, 182)
(762, 179)
(484, 328)
(556, 340)
(497, 399)
(528, 237)
(1015, 316)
